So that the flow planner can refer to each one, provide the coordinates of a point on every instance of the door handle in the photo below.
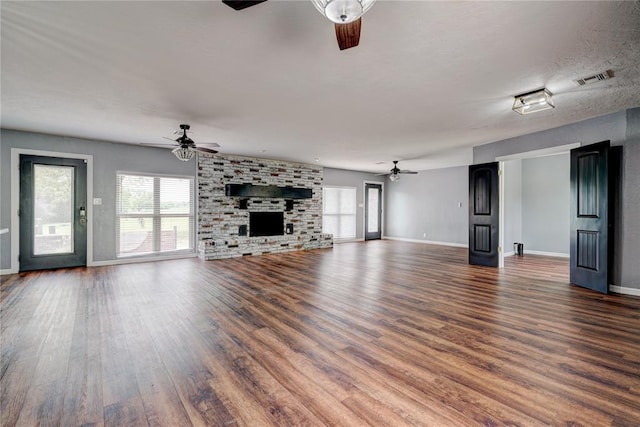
(83, 215)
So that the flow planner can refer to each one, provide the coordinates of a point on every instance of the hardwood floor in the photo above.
(377, 333)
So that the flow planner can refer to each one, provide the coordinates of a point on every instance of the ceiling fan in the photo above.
(394, 173)
(186, 148)
(346, 15)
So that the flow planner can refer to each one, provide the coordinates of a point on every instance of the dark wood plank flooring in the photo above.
(377, 333)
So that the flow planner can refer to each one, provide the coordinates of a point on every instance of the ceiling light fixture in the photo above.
(394, 177)
(343, 11)
(184, 153)
(532, 102)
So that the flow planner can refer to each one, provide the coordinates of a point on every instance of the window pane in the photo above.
(136, 235)
(339, 212)
(339, 200)
(176, 233)
(372, 211)
(175, 196)
(155, 214)
(341, 226)
(53, 209)
(135, 194)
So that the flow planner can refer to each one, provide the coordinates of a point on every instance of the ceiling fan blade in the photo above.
(242, 4)
(159, 143)
(151, 144)
(381, 174)
(205, 150)
(170, 139)
(210, 144)
(408, 172)
(348, 35)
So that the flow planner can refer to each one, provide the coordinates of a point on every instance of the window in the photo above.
(154, 214)
(339, 212)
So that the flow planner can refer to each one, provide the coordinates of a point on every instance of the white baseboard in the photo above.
(543, 253)
(135, 260)
(7, 271)
(427, 242)
(624, 290)
(510, 253)
(348, 240)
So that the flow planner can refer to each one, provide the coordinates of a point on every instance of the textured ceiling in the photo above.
(429, 80)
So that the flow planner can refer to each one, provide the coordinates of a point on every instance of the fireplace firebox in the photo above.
(266, 224)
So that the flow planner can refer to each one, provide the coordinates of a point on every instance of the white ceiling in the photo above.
(429, 80)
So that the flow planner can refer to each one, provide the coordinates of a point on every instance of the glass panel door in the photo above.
(372, 211)
(53, 214)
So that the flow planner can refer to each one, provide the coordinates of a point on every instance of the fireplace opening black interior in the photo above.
(266, 224)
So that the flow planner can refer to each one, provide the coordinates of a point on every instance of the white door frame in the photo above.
(15, 201)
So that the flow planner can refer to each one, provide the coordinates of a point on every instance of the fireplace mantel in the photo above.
(272, 191)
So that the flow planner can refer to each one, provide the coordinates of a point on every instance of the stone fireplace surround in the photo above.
(220, 216)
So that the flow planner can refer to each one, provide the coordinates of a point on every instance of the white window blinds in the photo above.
(154, 214)
(339, 212)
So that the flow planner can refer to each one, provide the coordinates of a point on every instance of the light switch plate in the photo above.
(97, 201)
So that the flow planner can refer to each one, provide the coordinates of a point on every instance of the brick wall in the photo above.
(219, 216)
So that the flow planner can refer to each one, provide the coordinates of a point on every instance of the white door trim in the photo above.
(15, 201)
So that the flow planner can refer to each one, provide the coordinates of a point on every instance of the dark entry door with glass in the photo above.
(53, 214)
(372, 211)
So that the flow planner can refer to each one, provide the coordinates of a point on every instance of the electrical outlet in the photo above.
(424, 235)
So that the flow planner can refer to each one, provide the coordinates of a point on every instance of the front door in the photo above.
(588, 258)
(53, 215)
(483, 214)
(372, 211)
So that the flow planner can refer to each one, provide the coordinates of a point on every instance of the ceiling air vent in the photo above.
(605, 75)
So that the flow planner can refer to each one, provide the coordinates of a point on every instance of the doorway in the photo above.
(372, 211)
(53, 212)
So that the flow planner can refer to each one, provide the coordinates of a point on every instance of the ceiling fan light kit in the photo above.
(184, 153)
(532, 102)
(343, 11)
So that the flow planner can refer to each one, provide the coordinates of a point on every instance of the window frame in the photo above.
(156, 217)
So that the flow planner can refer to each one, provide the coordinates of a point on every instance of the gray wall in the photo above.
(630, 228)
(108, 158)
(545, 203)
(512, 203)
(622, 128)
(611, 127)
(428, 203)
(345, 178)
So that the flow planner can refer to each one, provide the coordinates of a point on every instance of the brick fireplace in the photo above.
(223, 221)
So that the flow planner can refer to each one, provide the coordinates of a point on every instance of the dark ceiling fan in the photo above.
(394, 173)
(186, 148)
(347, 31)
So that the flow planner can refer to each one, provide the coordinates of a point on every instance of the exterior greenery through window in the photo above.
(154, 214)
(339, 212)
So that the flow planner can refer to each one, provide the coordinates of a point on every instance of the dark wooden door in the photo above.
(53, 214)
(372, 211)
(589, 243)
(483, 214)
